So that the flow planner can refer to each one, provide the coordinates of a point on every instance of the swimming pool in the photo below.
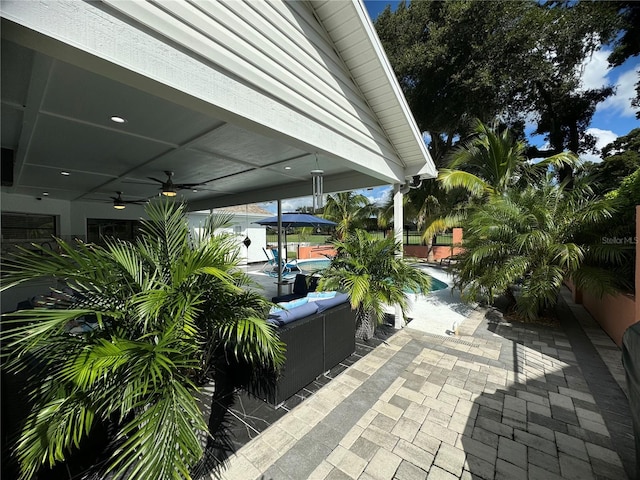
(314, 264)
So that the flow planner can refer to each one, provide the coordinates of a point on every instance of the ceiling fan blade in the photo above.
(188, 185)
(156, 180)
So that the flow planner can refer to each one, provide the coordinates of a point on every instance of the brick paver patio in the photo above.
(501, 401)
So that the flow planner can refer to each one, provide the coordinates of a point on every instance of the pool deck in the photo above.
(501, 400)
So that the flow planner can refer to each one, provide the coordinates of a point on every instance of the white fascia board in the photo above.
(429, 167)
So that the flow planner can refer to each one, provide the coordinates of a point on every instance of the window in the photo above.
(98, 229)
(27, 226)
(25, 229)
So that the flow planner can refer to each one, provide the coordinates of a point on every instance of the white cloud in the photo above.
(596, 73)
(595, 70)
(377, 196)
(288, 205)
(603, 138)
(620, 103)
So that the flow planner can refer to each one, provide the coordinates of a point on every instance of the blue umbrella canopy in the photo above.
(297, 220)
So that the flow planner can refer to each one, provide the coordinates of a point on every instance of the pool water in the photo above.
(435, 286)
(315, 264)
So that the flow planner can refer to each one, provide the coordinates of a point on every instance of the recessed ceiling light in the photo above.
(287, 168)
(45, 194)
(66, 174)
(117, 119)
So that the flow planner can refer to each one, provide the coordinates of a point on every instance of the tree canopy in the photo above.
(620, 158)
(513, 60)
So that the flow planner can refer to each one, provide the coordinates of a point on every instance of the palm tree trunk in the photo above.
(365, 324)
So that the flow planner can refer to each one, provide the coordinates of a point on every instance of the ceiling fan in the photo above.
(120, 204)
(170, 189)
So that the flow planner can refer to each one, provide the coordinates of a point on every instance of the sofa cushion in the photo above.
(315, 296)
(298, 302)
(293, 303)
(331, 302)
(284, 317)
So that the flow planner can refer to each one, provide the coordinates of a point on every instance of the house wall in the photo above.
(71, 220)
(71, 216)
(256, 233)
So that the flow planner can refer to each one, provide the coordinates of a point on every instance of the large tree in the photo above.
(516, 60)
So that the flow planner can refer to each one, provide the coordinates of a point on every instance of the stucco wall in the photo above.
(315, 251)
(614, 313)
(438, 252)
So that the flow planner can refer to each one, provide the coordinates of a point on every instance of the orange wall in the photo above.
(614, 313)
(637, 317)
(315, 251)
(438, 252)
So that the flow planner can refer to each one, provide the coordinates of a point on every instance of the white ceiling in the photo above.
(56, 117)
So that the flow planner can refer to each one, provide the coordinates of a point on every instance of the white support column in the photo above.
(398, 226)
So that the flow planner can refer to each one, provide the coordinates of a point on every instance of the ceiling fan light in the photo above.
(169, 192)
(118, 205)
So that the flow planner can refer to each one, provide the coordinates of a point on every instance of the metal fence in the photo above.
(410, 237)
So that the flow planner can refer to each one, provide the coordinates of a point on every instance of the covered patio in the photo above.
(221, 104)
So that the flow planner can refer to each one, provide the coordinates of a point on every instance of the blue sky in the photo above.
(613, 117)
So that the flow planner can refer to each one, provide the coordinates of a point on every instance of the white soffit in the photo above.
(357, 43)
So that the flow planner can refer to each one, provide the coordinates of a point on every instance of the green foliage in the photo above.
(459, 60)
(524, 244)
(620, 158)
(349, 210)
(488, 164)
(628, 44)
(368, 269)
(165, 314)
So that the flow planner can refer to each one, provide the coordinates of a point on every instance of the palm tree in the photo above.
(487, 165)
(349, 210)
(368, 269)
(492, 161)
(134, 332)
(523, 243)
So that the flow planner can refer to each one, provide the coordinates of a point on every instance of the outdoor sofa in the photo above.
(318, 335)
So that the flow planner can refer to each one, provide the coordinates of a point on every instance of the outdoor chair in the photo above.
(271, 261)
(288, 268)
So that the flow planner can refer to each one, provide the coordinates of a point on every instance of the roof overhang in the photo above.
(68, 66)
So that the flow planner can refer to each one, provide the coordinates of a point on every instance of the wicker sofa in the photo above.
(315, 344)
